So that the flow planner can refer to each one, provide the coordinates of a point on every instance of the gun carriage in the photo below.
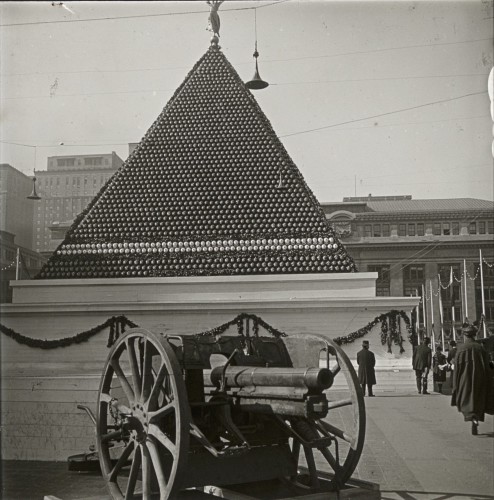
(182, 411)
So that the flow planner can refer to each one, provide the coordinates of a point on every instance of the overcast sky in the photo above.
(387, 98)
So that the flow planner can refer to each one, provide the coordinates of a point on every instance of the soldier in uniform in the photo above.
(366, 362)
(421, 362)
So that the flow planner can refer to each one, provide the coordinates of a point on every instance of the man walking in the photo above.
(471, 380)
(366, 362)
(421, 362)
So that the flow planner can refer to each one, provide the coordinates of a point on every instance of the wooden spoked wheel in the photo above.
(143, 418)
(344, 424)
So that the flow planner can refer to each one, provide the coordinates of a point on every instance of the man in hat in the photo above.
(471, 377)
(366, 362)
(421, 362)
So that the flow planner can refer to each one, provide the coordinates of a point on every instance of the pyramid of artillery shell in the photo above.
(210, 190)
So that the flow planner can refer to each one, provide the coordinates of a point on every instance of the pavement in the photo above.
(417, 448)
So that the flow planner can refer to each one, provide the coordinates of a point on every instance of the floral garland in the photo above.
(389, 334)
(117, 326)
(239, 321)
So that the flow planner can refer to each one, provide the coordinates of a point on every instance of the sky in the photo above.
(368, 97)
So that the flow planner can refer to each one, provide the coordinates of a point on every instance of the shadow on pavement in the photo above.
(430, 495)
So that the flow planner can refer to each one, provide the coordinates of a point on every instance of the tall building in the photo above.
(16, 211)
(66, 188)
(410, 243)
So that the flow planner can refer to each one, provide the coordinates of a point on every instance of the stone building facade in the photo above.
(409, 243)
(66, 188)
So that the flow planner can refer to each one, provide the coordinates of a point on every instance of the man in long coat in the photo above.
(366, 362)
(471, 380)
(421, 362)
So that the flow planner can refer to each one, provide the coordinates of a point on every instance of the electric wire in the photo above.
(135, 16)
(418, 106)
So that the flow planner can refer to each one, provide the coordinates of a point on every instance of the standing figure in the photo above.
(439, 365)
(421, 362)
(451, 359)
(366, 362)
(471, 379)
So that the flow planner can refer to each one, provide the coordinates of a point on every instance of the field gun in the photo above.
(184, 411)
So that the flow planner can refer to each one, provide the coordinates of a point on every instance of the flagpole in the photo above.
(17, 264)
(424, 305)
(465, 286)
(453, 318)
(433, 335)
(440, 308)
(482, 290)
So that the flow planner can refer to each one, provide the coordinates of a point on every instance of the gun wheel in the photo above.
(142, 418)
(344, 425)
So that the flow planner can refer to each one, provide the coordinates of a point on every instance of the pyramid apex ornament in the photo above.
(214, 20)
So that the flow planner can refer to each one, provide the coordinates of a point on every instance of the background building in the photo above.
(16, 229)
(16, 211)
(66, 188)
(409, 243)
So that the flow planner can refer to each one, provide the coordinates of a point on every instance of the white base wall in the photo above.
(40, 389)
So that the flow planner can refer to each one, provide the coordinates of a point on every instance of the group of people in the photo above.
(471, 371)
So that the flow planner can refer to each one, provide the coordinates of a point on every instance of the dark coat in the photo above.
(471, 377)
(366, 362)
(439, 375)
(452, 354)
(422, 357)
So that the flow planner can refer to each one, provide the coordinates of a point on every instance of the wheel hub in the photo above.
(138, 423)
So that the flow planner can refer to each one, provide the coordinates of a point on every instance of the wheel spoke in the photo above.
(162, 412)
(158, 469)
(146, 472)
(147, 376)
(123, 380)
(157, 387)
(311, 464)
(134, 366)
(338, 432)
(155, 431)
(332, 405)
(134, 471)
(121, 461)
(331, 460)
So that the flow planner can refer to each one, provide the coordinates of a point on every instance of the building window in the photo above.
(93, 162)
(472, 228)
(490, 226)
(367, 230)
(420, 229)
(437, 229)
(402, 229)
(9, 255)
(377, 230)
(455, 228)
(65, 162)
(446, 229)
(413, 273)
(411, 229)
(386, 230)
(482, 227)
(383, 279)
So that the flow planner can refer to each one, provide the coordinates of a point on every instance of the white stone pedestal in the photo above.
(41, 388)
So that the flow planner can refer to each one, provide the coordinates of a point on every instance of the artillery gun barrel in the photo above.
(317, 379)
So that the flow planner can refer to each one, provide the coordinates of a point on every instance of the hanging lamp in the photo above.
(257, 83)
(34, 194)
